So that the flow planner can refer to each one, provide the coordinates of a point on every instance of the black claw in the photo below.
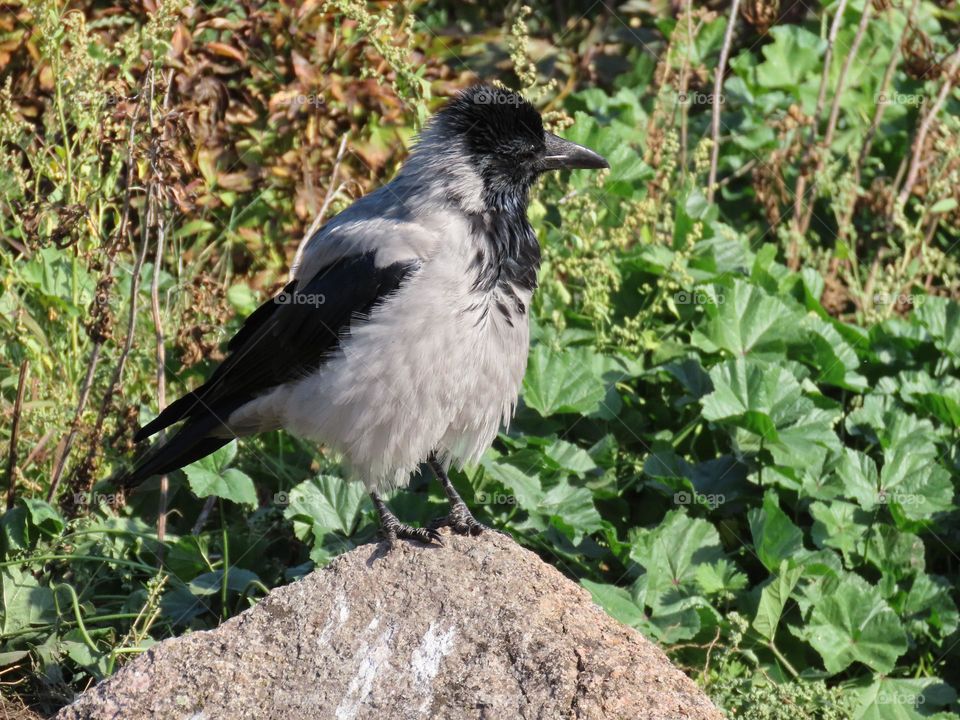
(394, 530)
(461, 521)
(399, 531)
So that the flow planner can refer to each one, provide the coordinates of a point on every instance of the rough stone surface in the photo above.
(479, 628)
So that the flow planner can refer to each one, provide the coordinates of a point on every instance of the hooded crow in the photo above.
(403, 335)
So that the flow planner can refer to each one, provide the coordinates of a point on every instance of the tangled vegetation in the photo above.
(740, 424)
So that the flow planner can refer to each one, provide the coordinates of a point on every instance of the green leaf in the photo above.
(212, 476)
(720, 578)
(617, 602)
(180, 605)
(939, 397)
(896, 553)
(669, 467)
(220, 459)
(913, 482)
(833, 359)
(9, 658)
(691, 375)
(822, 571)
(570, 508)
(944, 206)
(696, 205)
(675, 621)
(43, 516)
(570, 457)
(767, 402)
(858, 478)
(883, 420)
(670, 554)
(755, 397)
(773, 598)
(929, 607)
(805, 442)
(242, 298)
(562, 381)
(196, 227)
(573, 507)
(775, 537)
(941, 317)
(745, 319)
(79, 652)
(14, 534)
(211, 583)
(902, 699)
(525, 488)
(23, 601)
(230, 484)
(839, 525)
(854, 624)
(329, 503)
(791, 58)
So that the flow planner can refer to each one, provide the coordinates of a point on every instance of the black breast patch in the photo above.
(509, 256)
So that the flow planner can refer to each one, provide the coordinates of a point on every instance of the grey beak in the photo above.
(565, 155)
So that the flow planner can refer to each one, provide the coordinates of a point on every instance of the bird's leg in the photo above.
(392, 528)
(460, 519)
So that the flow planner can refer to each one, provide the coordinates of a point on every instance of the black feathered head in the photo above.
(501, 136)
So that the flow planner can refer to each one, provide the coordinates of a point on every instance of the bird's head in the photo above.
(492, 140)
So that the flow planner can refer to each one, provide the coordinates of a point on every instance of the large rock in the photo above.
(480, 628)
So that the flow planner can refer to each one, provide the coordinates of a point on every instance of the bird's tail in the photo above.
(192, 442)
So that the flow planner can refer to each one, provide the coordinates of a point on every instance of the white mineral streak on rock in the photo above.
(371, 660)
(339, 614)
(425, 660)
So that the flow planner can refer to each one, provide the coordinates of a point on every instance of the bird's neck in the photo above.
(508, 251)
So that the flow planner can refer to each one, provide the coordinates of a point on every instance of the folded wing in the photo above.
(285, 339)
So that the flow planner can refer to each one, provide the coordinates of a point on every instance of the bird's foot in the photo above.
(460, 520)
(400, 531)
(393, 530)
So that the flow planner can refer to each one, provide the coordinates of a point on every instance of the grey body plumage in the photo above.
(403, 335)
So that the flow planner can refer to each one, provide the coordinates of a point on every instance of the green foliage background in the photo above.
(739, 425)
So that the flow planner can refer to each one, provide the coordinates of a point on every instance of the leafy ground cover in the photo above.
(739, 425)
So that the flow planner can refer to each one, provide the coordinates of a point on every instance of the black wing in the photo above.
(285, 338)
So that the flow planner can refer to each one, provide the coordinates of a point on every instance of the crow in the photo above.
(403, 335)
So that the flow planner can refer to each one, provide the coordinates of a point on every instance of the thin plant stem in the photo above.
(717, 89)
(14, 437)
(925, 125)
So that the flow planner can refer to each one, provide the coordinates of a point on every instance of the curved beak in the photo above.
(565, 155)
